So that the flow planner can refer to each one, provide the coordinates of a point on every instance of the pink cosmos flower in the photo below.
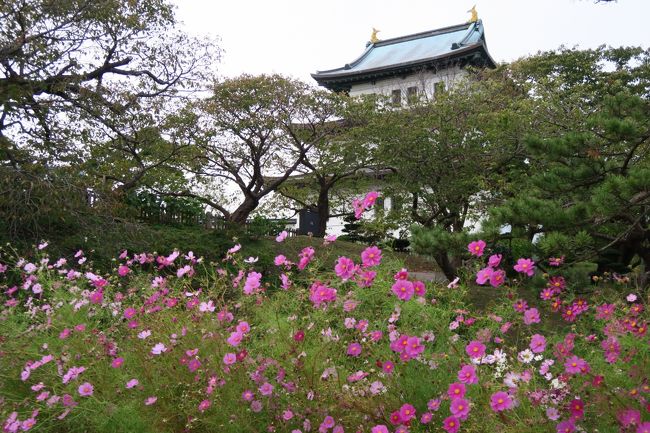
(567, 426)
(426, 418)
(467, 375)
(365, 278)
(345, 268)
(266, 389)
(380, 428)
(371, 256)
(451, 424)
(407, 412)
(494, 261)
(476, 248)
(484, 275)
(575, 365)
(525, 266)
(235, 338)
(150, 400)
(248, 395)
(282, 236)
(388, 367)
(577, 408)
(459, 407)
(358, 207)
(204, 405)
(419, 288)
(537, 343)
(123, 270)
(132, 383)
(158, 349)
(500, 401)
(354, 349)
(497, 278)
(370, 199)
(286, 282)
(475, 349)
(85, 389)
(130, 312)
(456, 390)
(252, 282)
(434, 404)
(403, 289)
(117, 362)
(321, 295)
(629, 417)
(556, 261)
(531, 316)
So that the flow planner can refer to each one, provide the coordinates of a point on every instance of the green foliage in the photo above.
(586, 182)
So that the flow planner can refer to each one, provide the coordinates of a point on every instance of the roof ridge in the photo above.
(424, 34)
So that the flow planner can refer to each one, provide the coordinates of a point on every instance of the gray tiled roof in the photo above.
(411, 51)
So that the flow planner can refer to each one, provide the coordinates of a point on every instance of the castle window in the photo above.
(396, 97)
(439, 88)
(412, 94)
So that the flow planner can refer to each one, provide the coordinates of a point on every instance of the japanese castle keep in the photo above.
(412, 65)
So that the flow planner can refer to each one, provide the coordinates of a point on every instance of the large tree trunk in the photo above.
(446, 266)
(240, 215)
(323, 207)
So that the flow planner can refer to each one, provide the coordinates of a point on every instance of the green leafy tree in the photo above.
(82, 83)
(585, 192)
(337, 167)
(255, 131)
(452, 157)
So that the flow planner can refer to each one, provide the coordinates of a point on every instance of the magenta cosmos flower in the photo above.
(345, 268)
(475, 349)
(459, 407)
(500, 401)
(467, 375)
(476, 248)
(456, 390)
(451, 424)
(354, 349)
(525, 266)
(494, 260)
(371, 256)
(403, 289)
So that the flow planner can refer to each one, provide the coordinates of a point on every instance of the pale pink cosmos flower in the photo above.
(537, 343)
(86, 389)
(454, 283)
(158, 349)
(531, 316)
(495, 260)
(132, 383)
(266, 389)
(282, 236)
(229, 358)
(484, 275)
(150, 400)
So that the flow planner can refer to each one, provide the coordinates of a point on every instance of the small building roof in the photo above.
(435, 49)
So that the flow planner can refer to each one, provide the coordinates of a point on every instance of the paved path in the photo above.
(437, 277)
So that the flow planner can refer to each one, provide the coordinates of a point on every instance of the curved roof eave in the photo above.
(322, 76)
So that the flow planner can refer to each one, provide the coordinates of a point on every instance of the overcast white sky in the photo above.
(297, 38)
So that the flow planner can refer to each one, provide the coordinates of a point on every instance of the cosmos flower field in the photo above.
(171, 343)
